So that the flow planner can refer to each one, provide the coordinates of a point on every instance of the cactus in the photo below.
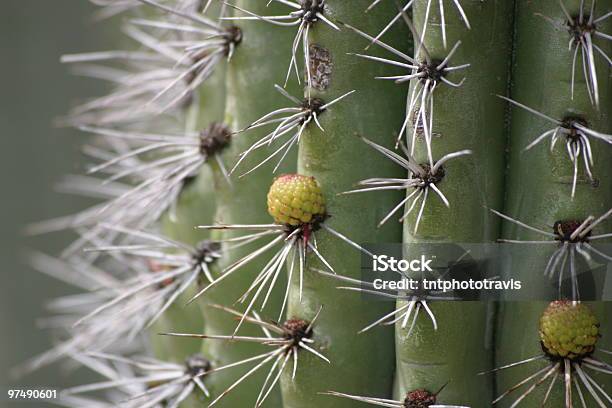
(252, 157)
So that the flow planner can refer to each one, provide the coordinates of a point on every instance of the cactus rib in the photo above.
(253, 68)
(540, 184)
(332, 158)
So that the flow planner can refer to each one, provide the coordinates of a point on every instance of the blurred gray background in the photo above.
(34, 90)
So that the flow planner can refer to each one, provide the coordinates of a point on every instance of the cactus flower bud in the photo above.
(568, 330)
(294, 199)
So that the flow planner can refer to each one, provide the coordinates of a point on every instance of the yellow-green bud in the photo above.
(294, 200)
(568, 330)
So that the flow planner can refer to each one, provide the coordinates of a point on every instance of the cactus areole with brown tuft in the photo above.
(419, 399)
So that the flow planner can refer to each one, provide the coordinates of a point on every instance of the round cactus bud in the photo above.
(294, 200)
(419, 399)
(568, 330)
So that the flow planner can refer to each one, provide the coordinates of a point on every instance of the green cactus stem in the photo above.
(196, 204)
(464, 117)
(338, 159)
(540, 180)
(257, 64)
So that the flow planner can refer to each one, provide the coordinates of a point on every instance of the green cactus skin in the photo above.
(539, 182)
(338, 159)
(196, 204)
(464, 118)
(258, 63)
